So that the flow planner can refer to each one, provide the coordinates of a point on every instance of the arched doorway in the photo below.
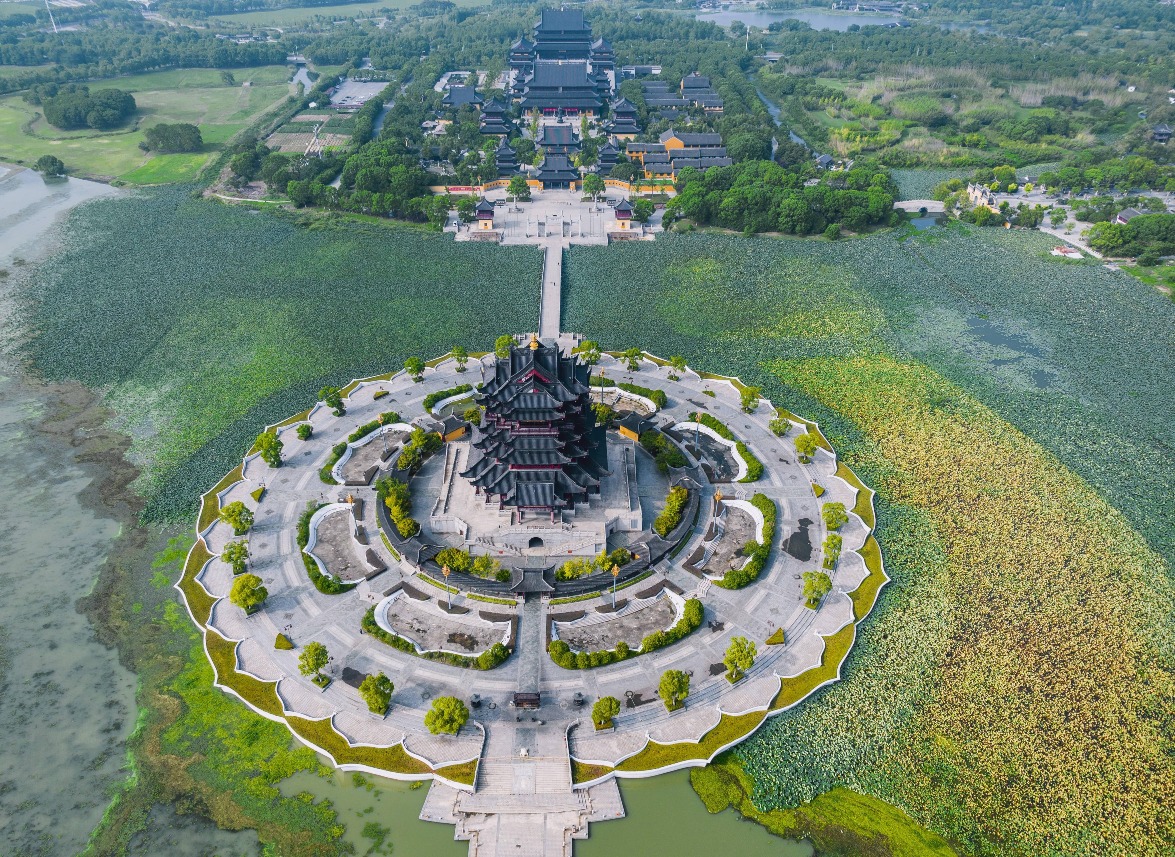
(535, 542)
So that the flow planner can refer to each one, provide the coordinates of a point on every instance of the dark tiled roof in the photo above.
(458, 96)
(561, 19)
(695, 81)
(551, 74)
(557, 135)
(693, 139)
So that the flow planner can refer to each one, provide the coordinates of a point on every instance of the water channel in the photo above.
(67, 706)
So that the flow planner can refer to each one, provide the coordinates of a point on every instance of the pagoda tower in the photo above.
(538, 448)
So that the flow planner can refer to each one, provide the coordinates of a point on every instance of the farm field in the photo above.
(1024, 544)
(198, 96)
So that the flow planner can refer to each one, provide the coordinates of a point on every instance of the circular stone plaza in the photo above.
(501, 535)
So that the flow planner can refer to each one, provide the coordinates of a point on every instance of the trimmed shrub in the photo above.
(657, 397)
(670, 517)
(440, 395)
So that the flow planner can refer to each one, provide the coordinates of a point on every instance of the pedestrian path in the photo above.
(552, 293)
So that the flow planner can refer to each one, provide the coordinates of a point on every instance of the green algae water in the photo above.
(664, 817)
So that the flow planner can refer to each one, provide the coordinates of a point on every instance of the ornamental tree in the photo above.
(49, 165)
(414, 366)
(460, 357)
(673, 688)
(447, 715)
(740, 656)
(376, 691)
(678, 365)
(834, 515)
(604, 710)
(518, 189)
(332, 397)
(806, 445)
(632, 358)
(642, 210)
(589, 352)
(502, 345)
(305, 431)
(313, 659)
(817, 584)
(593, 186)
(248, 592)
(780, 426)
(270, 447)
(236, 554)
(749, 397)
(238, 516)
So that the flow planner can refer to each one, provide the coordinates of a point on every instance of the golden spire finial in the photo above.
(534, 341)
(718, 496)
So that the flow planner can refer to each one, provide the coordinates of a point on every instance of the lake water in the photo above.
(664, 817)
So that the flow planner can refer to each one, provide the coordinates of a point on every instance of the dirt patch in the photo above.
(632, 627)
(740, 528)
(335, 547)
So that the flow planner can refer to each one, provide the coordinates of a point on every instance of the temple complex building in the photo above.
(538, 448)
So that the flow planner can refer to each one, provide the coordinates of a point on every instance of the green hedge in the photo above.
(737, 578)
(336, 452)
(386, 418)
(712, 423)
(398, 498)
(670, 517)
(689, 622)
(754, 465)
(657, 397)
(440, 395)
(492, 657)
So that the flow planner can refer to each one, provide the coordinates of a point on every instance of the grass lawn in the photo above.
(198, 96)
(7, 10)
(280, 17)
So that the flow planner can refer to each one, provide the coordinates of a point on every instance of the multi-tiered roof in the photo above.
(538, 448)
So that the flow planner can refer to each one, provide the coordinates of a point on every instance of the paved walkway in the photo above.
(552, 293)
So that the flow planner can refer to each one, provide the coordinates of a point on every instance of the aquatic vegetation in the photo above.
(950, 387)
(196, 358)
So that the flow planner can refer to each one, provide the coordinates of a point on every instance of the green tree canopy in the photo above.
(248, 592)
(167, 139)
(49, 165)
(238, 516)
(270, 447)
(447, 715)
(604, 710)
(376, 691)
(834, 515)
(414, 366)
(236, 554)
(503, 344)
(593, 185)
(673, 688)
(518, 188)
(313, 658)
(740, 656)
(817, 584)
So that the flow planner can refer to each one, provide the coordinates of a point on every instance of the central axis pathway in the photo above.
(552, 294)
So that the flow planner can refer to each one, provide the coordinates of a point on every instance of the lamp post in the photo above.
(383, 434)
(615, 574)
(445, 571)
(601, 385)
